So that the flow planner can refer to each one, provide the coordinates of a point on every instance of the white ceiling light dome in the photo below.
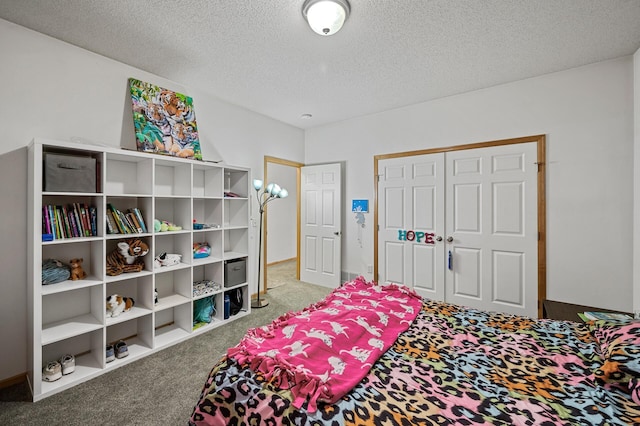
(326, 17)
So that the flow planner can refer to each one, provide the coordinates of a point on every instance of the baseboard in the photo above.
(5, 383)
(281, 261)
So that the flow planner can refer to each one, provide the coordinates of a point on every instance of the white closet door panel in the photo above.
(494, 228)
(410, 216)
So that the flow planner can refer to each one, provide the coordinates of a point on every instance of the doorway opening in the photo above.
(281, 239)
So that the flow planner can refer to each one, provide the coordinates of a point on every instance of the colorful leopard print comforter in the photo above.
(453, 366)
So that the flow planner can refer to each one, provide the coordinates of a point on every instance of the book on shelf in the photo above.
(607, 316)
(112, 227)
(93, 218)
(134, 222)
(138, 214)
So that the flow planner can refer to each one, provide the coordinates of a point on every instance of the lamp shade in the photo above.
(326, 17)
(283, 193)
(257, 184)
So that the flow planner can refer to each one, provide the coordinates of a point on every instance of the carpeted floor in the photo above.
(281, 273)
(160, 389)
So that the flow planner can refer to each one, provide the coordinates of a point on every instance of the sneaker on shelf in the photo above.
(111, 355)
(121, 349)
(68, 363)
(52, 371)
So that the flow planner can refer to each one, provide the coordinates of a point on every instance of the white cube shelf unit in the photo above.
(70, 317)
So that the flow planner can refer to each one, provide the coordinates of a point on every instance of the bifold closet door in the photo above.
(492, 220)
(411, 221)
(461, 226)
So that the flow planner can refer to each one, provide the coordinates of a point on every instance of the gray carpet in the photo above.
(281, 273)
(160, 389)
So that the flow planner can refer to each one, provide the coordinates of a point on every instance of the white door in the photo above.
(411, 221)
(321, 224)
(492, 218)
(488, 258)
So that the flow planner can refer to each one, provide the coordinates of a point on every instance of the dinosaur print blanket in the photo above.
(322, 352)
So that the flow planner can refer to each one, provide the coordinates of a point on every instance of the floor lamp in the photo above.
(269, 193)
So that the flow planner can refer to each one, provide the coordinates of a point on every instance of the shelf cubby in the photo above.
(236, 212)
(214, 239)
(69, 314)
(212, 272)
(172, 178)
(207, 211)
(173, 324)
(140, 290)
(137, 333)
(235, 243)
(73, 205)
(112, 244)
(207, 182)
(237, 182)
(125, 204)
(174, 210)
(88, 351)
(173, 243)
(174, 288)
(128, 174)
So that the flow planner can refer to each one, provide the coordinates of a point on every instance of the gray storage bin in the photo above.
(235, 272)
(69, 173)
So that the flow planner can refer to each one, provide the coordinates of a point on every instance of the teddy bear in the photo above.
(77, 273)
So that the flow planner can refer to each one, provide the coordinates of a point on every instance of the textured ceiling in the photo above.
(261, 55)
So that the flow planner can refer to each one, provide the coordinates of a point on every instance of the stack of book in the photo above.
(129, 222)
(607, 316)
(70, 221)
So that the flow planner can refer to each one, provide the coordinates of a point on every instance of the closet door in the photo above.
(411, 223)
(491, 220)
(462, 226)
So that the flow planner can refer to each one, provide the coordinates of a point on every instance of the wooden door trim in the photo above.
(542, 210)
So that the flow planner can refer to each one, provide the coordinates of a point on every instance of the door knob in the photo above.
(449, 239)
(337, 233)
(438, 238)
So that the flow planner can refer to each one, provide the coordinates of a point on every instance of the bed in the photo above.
(370, 354)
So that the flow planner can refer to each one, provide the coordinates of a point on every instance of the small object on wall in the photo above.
(360, 206)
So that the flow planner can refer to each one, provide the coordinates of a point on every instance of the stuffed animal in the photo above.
(164, 226)
(167, 259)
(126, 257)
(117, 304)
(77, 273)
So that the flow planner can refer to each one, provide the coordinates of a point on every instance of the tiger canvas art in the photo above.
(164, 121)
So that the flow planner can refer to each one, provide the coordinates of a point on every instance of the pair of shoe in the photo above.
(56, 369)
(118, 350)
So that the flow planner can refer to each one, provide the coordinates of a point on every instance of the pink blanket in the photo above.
(322, 352)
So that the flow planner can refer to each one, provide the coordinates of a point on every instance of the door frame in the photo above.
(275, 160)
(542, 212)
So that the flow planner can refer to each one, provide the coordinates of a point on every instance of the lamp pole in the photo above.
(270, 193)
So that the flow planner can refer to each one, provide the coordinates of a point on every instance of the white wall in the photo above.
(54, 90)
(586, 114)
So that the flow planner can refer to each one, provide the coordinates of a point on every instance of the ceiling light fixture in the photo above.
(326, 17)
